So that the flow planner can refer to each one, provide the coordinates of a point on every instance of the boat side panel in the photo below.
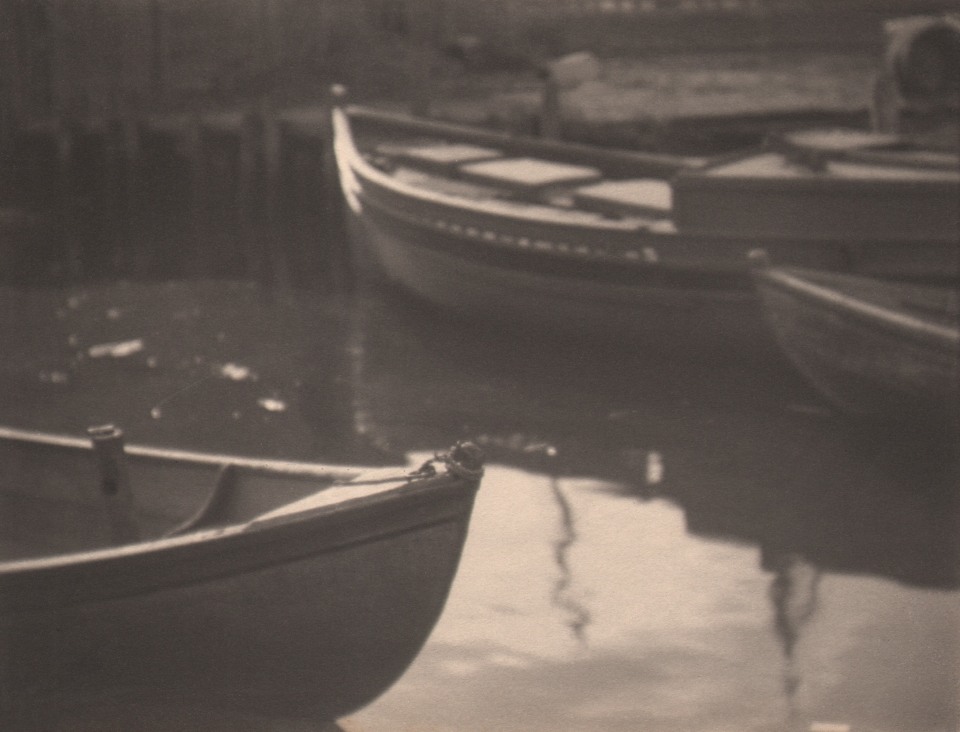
(581, 238)
(661, 319)
(863, 367)
(312, 638)
(820, 207)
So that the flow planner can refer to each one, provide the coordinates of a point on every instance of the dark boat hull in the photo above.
(662, 316)
(298, 615)
(855, 341)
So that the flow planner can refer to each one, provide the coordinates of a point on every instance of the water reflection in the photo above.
(655, 547)
(793, 593)
(752, 457)
(578, 615)
(756, 467)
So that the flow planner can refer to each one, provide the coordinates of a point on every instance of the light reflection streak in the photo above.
(794, 594)
(578, 616)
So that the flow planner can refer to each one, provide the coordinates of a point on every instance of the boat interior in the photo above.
(649, 194)
(57, 500)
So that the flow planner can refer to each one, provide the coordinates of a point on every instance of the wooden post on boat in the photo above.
(115, 483)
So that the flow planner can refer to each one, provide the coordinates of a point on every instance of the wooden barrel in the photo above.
(923, 56)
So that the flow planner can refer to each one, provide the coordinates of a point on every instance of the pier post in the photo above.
(193, 149)
(123, 152)
(271, 145)
(65, 198)
(246, 199)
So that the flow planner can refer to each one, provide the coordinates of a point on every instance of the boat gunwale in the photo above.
(492, 207)
(605, 158)
(792, 281)
(286, 468)
(648, 231)
(705, 176)
(729, 283)
(148, 566)
(407, 503)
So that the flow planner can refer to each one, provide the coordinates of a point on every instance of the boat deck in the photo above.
(807, 188)
(483, 174)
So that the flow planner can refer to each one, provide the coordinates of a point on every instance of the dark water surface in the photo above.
(656, 546)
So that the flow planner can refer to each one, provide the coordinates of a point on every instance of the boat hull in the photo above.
(863, 356)
(529, 262)
(660, 318)
(302, 617)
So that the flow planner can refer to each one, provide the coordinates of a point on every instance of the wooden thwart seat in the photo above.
(646, 197)
(440, 158)
(528, 176)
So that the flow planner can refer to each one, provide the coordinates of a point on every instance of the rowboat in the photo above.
(141, 583)
(872, 346)
(616, 244)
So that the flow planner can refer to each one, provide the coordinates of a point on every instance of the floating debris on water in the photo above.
(54, 377)
(272, 405)
(119, 349)
(237, 372)
(541, 447)
(156, 413)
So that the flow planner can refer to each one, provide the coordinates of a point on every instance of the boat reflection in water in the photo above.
(655, 547)
(601, 454)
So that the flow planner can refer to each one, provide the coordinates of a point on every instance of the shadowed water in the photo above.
(656, 546)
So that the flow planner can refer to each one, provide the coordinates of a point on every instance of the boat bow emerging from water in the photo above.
(191, 587)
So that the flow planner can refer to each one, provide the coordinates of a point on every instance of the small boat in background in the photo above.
(176, 586)
(887, 149)
(872, 346)
(646, 249)
(873, 197)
